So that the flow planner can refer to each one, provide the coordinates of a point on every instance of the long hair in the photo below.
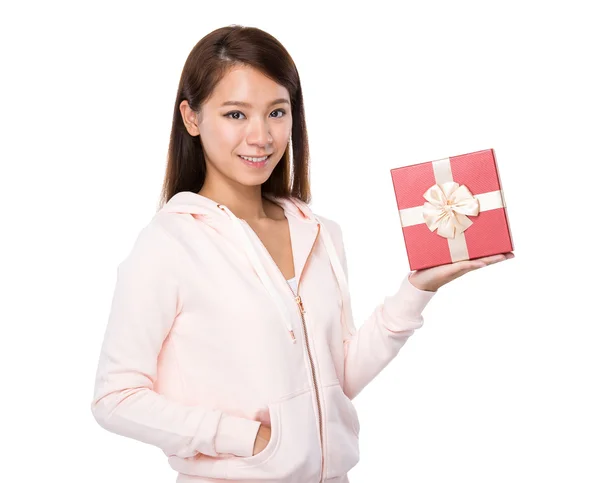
(206, 65)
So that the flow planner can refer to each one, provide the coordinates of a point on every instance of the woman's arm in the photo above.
(145, 303)
(379, 339)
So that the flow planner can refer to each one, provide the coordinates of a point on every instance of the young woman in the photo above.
(230, 343)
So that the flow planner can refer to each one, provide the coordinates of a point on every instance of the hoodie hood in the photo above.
(203, 207)
(208, 210)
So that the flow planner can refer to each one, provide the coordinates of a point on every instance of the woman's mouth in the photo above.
(255, 162)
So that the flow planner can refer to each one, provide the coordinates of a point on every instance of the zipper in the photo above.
(314, 376)
(300, 306)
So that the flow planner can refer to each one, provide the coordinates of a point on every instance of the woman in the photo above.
(230, 343)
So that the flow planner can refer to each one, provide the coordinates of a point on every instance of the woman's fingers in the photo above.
(433, 278)
(468, 265)
(482, 262)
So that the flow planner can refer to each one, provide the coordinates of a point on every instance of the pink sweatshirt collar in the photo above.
(196, 204)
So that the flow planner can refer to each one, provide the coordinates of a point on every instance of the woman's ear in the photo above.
(190, 118)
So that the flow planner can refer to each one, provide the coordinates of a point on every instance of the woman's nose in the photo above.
(259, 133)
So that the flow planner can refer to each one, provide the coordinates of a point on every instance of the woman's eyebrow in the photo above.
(245, 104)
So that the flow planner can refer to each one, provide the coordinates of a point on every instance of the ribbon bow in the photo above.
(446, 208)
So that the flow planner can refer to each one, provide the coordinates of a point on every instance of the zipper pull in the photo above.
(300, 304)
(293, 336)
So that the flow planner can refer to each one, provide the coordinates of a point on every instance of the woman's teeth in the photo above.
(254, 160)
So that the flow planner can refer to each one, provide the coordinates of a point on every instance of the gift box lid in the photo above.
(472, 176)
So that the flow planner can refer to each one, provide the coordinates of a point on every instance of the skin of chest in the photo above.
(275, 236)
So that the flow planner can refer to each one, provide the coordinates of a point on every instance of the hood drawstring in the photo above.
(340, 276)
(268, 283)
(260, 270)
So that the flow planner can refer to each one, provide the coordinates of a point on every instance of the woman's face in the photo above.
(262, 126)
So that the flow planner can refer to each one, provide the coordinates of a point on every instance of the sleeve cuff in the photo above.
(236, 435)
(407, 304)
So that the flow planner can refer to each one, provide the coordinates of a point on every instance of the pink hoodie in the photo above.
(206, 340)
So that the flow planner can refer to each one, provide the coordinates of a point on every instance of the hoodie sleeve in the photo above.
(372, 347)
(145, 303)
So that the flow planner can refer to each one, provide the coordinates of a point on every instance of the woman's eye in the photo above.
(232, 113)
(280, 110)
(229, 114)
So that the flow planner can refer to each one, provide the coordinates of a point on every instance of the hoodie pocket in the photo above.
(342, 430)
(218, 466)
(269, 449)
(292, 454)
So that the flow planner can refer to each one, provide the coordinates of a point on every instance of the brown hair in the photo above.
(206, 65)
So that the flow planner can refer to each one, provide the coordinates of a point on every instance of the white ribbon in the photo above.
(446, 208)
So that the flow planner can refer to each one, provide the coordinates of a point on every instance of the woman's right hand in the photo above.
(262, 439)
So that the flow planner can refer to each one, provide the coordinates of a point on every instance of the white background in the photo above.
(500, 384)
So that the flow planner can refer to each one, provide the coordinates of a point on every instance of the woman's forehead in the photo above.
(247, 87)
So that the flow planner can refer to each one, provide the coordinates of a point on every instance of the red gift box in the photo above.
(452, 209)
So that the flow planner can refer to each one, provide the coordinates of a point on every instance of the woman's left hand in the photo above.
(430, 279)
